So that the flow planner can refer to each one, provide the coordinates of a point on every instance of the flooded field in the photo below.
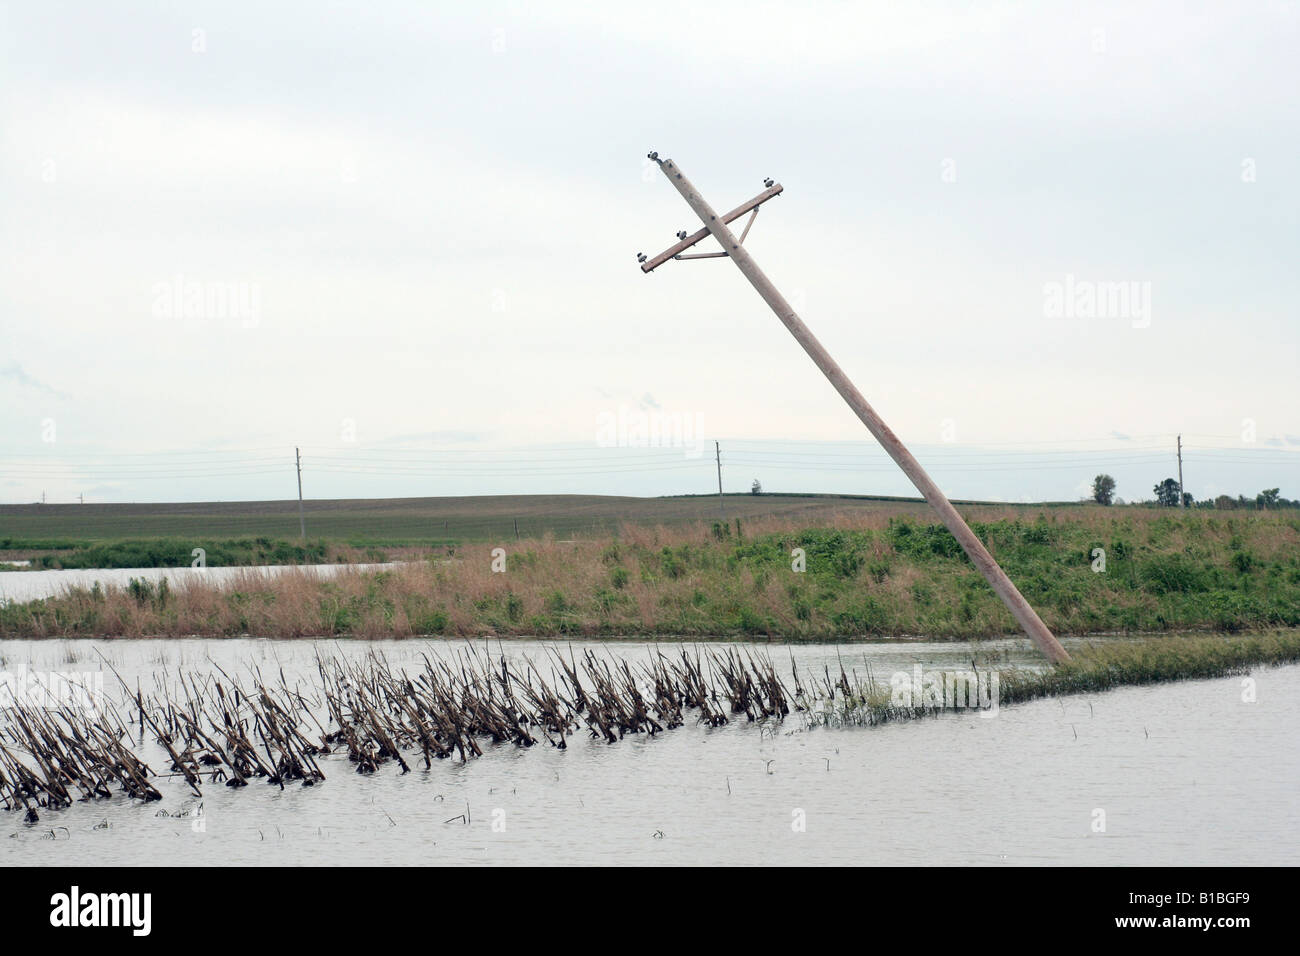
(1186, 773)
(31, 585)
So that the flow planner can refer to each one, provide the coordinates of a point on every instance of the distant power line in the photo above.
(586, 460)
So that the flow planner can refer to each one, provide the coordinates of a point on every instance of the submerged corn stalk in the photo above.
(215, 728)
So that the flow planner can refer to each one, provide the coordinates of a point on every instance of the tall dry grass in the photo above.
(869, 574)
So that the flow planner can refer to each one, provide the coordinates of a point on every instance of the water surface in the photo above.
(1185, 773)
(31, 585)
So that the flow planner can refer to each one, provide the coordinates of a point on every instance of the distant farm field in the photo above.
(396, 522)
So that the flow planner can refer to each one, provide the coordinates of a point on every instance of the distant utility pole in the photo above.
(1180, 472)
(82, 498)
(302, 522)
(733, 248)
(722, 508)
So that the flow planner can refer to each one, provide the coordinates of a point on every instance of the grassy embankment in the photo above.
(870, 573)
(1096, 667)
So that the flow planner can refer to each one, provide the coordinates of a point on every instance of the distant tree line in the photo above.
(1166, 496)
(1266, 500)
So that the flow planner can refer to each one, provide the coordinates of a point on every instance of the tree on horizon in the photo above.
(1103, 489)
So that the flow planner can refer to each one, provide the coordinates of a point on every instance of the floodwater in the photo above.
(1187, 773)
(31, 585)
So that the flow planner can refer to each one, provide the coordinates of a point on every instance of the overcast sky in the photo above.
(412, 230)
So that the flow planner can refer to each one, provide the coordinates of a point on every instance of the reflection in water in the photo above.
(1178, 773)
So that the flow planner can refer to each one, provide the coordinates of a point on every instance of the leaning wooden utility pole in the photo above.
(733, 248)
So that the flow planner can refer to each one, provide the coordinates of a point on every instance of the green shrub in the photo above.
(1172, 574)
(433, 622)
(865, 616)
(141, 590)
(749, 621)
(846, 564)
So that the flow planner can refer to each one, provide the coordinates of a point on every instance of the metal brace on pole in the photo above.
(716, 226)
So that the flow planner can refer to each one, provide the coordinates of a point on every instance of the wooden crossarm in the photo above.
(651, 264)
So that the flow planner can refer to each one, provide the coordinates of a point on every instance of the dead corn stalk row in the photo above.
(218, 728)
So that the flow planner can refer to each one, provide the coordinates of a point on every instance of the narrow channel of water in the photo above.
(31, 585)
